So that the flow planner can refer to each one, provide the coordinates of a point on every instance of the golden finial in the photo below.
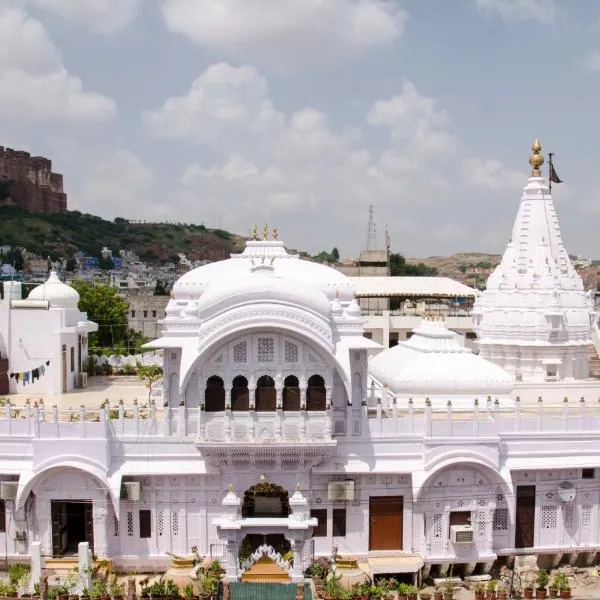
(266, 232)
(231, 487)
(275, 232)
(298, 486)
(536, 160)
(254, 232)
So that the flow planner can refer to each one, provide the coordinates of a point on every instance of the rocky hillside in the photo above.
(60, 235)
(472, 268)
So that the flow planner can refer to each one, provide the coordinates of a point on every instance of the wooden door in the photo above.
(525, 517)
(385, 522)
(88, 516)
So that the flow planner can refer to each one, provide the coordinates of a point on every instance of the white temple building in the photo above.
(43, 338)
(283, 428)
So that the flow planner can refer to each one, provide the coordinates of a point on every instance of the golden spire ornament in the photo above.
(254, 232)
(275, 232)
(266, 232)
(536, 160)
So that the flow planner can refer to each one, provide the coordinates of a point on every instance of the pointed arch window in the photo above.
(214, 394)
(291, 393)
(265, 394)
(240, 396)
(315, 393)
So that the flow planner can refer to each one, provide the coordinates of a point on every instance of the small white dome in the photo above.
(55, 292)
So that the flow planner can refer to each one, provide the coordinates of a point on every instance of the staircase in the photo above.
(593, 362)
(264, 570)
(266, 591)
(61, 566)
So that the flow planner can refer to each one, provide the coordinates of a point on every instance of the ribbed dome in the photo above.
(56, 293)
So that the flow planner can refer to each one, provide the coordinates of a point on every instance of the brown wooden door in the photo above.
(385, 522)
(89, 524)
(525, 517)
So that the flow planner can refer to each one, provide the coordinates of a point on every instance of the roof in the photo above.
(428, 287)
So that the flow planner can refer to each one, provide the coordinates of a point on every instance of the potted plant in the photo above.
(412, 592)
(188, 591)
(479, 591)
(332, 589)
(116, 590)
(528, 589)
(437, 593)
(502, 591)
(491, 588)
(564, 589)
(542, 583)
(425, 595)
(448, 589)
(553, 588)
(85, 594)
(403, 591)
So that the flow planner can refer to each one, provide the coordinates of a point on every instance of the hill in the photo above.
(60, 235)
(472, 268)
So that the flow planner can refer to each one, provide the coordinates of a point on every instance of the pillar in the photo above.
(232, 569)
(85, 565)
(100, 518)
(37, 564)
(297, 570)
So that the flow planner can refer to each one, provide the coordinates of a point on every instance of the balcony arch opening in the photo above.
(214, 394)
(240, 396)
(265, 398)
(315, 394)
(266, 499)
(291, 393)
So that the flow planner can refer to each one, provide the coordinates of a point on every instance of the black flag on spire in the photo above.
(554, 178)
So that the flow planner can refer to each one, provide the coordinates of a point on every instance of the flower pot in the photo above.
(528, 593)
(553, 593)
(479, 595)
(412, 596)
(565, 593)
(438, 596)
(540, 594)
(490, 595)
(502, 594)
(448, 595)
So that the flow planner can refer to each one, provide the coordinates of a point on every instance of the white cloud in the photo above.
(103, 16)
(33, 83)
(491, 174)
(287, 32)
(415, 119)
(222, 100)
(116, 185)
(592, 61)
(543, 11)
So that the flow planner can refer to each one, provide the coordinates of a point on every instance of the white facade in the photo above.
(44, 338)
(533, 319)
(280, 419)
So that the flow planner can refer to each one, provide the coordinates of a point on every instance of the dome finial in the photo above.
(536, 160)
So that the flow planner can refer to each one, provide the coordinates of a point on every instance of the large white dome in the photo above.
(293, 269)
(56, 293)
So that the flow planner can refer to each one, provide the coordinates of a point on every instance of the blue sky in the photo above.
(301, 113)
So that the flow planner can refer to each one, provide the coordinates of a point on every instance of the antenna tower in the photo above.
(371, 231)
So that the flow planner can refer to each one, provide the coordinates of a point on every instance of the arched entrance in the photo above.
(266, 499)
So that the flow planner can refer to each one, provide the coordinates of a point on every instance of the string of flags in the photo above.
(31, 376)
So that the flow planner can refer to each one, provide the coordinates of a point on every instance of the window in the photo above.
(588, 474)
(500, 522)
(266, 349)
(145, 314)
(72, 359)
(145, 524)
(133, 314)
(154, 314)
(321, 515)
(2, 517)
(459, 517)
(339, 522)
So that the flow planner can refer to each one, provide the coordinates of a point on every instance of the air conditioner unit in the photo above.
(82, 380)
(8, 490)
(131, 490)
(21, 535)
(461, 534)
(341, 490)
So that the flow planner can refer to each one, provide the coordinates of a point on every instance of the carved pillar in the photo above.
(328, 406)
(100, 518)
(297, 545)
(303, 394)
(279, 409)
(232, 570)
(227, 398)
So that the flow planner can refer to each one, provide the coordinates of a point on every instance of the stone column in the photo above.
(297, 545)
(232, 570)
(85, 565)
(100, 518)
(37, 564)
(279, 407)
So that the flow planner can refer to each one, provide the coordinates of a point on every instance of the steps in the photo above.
(61, 566)
(264, 570)
(593, 362)
(266, 591)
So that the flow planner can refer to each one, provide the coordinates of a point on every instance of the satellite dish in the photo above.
(566, 491)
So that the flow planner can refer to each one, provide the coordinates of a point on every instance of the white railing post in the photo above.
(540, 414)
(428, 423)
(28, 415)
(167, 420)
(55, 412)
(517, 423)
(379, 417)
(449, 418)
(582, 412)
(565, 414)
(36, 419)
(152, 417)
(395, 413)
(121, 417)
(136, 417)
(42, 411)
(411, 415)
(181, 429)
(9, 416)
(82, 420)
(476, 417)
(200, 423)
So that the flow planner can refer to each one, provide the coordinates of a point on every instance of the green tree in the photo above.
(161, 288)
(149, 374)
(104, 306)
(399, 267)
(335, 254)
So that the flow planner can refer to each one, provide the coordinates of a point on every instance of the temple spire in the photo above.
(536, 160)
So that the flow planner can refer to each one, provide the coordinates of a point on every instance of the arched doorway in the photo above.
(291, 393)
(265, 399)
(214, 394)
(266, 499)
(240, 397)
(315, 394)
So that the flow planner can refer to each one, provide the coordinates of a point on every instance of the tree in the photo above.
(161, 288)
(104, 306)
(399, 267)
(149, 374)
(335, 254)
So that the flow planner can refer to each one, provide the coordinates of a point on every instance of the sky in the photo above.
(302, 113)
